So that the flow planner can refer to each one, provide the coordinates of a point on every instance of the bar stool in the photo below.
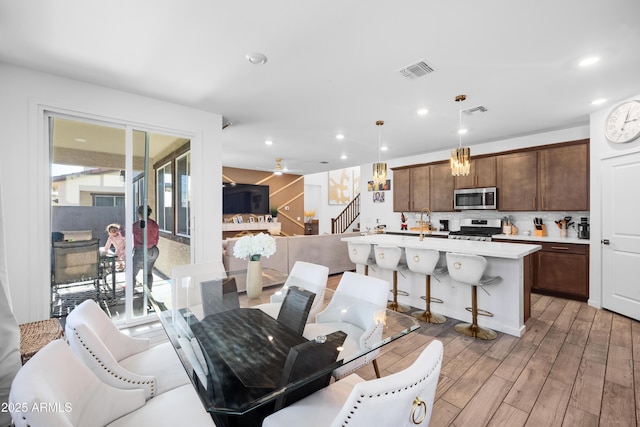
(469, 270)
(390, 258)
(361, 254)
(424, 261)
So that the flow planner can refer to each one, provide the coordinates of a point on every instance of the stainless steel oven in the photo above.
(477, 229)
(476, 198)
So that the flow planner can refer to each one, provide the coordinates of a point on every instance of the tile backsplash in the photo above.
(522, 220)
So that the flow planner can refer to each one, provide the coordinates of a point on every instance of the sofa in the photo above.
(324, 249)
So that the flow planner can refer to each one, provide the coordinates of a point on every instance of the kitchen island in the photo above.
(509, 300)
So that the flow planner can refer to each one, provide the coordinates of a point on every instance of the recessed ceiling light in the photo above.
(462, 131)
(343, 157)
(340, 136)
(598, 101)
(422, 112)
(256, 58)
(79, 140)
(268, 142)
(589, 61)
(384, 148)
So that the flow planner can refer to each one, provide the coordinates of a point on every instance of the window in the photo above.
(183, 205)
(164, 213)
(108, 200)
(173, 198)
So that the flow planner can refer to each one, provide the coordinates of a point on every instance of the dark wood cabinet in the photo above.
(559, 269)
(311, 228)
(548, 178)
(517, 181)
(563, 270)
(401, 191)
(442, 184)
(483, 174)
(564, 178)
(411, 189)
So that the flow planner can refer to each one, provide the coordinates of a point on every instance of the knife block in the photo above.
(540, 233)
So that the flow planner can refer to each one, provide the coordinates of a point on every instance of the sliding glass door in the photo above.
(129, 188)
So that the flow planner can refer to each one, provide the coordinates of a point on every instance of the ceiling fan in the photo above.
(279, 169)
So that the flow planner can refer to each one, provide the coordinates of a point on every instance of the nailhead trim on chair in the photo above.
(151, 384)
(371, 396)
(360, 365)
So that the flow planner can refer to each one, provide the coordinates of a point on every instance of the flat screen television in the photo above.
(245, 199)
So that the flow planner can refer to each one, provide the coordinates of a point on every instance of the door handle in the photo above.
(605, 241)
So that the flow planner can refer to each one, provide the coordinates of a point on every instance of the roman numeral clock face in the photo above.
(623, 123)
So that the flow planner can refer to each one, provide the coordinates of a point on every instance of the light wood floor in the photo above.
(575, 366)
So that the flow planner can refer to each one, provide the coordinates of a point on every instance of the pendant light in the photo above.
(379, 168)
(461, 156)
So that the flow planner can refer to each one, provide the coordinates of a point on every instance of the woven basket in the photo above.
(35, 335)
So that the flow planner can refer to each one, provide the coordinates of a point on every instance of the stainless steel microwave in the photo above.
(476, 198)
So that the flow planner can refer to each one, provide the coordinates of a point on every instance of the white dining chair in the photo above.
(401, 399)
(73, 395)
(118, 359)
(366, 299)
(306, 275)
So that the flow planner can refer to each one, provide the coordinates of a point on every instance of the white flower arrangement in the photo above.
(254, 247)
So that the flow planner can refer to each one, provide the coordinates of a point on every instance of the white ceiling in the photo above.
(332, 67)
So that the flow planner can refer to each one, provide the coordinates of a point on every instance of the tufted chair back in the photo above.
(360, 253)
(388, 257)
(422, 260)
(465, 268)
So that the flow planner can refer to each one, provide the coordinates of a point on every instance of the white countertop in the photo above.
(489, 249)
(519, 237)
(417, 233)
(545, 239)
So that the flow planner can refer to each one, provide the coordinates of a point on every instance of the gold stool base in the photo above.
(400, 308)
(430, 317)
(475, 331)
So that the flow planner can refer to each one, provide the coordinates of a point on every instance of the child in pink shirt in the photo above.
(117, 240)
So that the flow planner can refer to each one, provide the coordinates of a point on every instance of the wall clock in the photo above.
(623, 122)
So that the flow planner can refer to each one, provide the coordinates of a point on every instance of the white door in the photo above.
(621, 235)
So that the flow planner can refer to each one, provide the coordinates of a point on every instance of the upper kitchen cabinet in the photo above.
(564, 178)
(483, 174)
(411, 189)
(441, 191)
(517, 181)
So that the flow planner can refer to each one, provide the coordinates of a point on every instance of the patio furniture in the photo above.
(74, 264)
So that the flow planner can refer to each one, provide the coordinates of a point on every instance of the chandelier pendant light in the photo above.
(379, 168)
(461, 156)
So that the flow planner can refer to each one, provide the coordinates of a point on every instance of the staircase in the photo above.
(340, 224)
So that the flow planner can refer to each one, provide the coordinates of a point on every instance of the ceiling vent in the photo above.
(475, 110)
(416, 70)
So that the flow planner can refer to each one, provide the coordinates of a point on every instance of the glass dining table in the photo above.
(245, 364)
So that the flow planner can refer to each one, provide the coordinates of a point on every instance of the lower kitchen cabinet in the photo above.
(563, 270)
(560, 269)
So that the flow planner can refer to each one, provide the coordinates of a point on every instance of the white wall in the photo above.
(24, 169)
(602, 149)
(324, 211)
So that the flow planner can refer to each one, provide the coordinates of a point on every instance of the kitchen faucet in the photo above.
(422, 223)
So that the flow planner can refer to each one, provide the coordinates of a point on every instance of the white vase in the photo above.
(254, 279)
